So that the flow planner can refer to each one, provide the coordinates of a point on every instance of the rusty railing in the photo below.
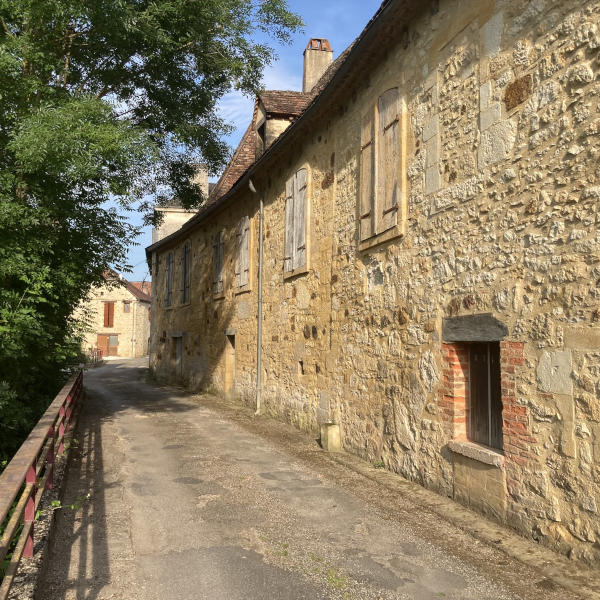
(95, 355)
(29, 474)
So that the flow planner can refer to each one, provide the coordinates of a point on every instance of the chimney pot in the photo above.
(317, 57)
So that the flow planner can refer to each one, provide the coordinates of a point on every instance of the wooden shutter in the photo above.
(367, 175)
(169, 295)
(109, 314)
(218, 247)
(239, 243)
(387, 160)
(182, 275)
(299, 259)
(289, 225)
(185, 273)
(245, 254)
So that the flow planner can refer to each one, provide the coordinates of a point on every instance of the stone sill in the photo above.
(298, 271)
(244, 289)
(219, 296)
(381, 238)
(477, 452)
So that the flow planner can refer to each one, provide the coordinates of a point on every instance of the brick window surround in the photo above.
(454, 395)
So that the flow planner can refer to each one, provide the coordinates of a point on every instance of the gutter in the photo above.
(371, 30)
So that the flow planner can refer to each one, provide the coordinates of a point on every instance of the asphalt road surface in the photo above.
(173, 496)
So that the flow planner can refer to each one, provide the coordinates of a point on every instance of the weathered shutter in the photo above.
(387, 159)
(289, 225)
(169, 278)
(187, 259)
(217, 263)
(239, 239)
(109, 317)
(245, 264)
(299, 259)
(182, 275)
(221, 285)
(367, 175)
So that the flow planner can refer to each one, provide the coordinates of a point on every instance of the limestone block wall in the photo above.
(502, 105)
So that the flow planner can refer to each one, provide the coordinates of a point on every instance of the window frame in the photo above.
(169, 272)
(218, 257)
(372, 214)
(296, 247)
(109, 314)
(186, 273)
(244, 247)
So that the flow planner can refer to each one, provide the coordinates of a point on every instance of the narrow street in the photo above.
(176, 496)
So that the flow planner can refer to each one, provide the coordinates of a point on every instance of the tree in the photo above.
(99, 100)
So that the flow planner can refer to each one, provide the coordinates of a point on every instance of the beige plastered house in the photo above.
(117, 318)
(414, 241)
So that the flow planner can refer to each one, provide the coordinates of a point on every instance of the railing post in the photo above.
(30, 510)
(50, 459)
(69, 406)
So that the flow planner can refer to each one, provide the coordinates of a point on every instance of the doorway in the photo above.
(229, 380)
(108, 344)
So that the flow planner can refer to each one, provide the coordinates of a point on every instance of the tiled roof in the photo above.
(244, 157)
(241, 160)
(284, 102)
(132, 288)
(143, 286)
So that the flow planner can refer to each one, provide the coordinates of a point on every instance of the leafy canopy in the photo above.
(99, 100)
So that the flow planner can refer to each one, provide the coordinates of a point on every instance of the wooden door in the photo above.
(485, 399)
(102, 344)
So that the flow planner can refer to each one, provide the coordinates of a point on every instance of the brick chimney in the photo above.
(317, 57)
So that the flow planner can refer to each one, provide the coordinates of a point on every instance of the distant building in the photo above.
(173, 214)
(118, 316)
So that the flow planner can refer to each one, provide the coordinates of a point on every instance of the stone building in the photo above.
(117, 317)
(430, 259)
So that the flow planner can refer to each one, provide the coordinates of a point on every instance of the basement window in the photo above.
(485, 394)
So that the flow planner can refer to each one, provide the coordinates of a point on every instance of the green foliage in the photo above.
(101, 104)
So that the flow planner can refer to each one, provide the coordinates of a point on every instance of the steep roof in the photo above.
(132, 288)
(243, 162)
(242, 158)
(284, 102)
(143, 286)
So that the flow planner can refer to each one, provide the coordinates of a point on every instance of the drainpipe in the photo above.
(133, 330)
(259, 316)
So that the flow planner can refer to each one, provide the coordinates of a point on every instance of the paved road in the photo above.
(190, 498)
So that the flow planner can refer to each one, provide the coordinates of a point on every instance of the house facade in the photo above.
(430, 259)
(117, 318)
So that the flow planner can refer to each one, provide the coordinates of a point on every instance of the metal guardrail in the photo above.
(30, 473)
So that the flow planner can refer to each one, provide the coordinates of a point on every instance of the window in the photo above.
(185, 272)
(242, 265)
(109, 314)
(169, 280)
(218, 262)
(381, 178)
(295, 223)
(126, 307)
(485, 397)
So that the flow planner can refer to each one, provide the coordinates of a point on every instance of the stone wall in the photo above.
(502, 110)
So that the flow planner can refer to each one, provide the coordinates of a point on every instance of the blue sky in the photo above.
(340, 21)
